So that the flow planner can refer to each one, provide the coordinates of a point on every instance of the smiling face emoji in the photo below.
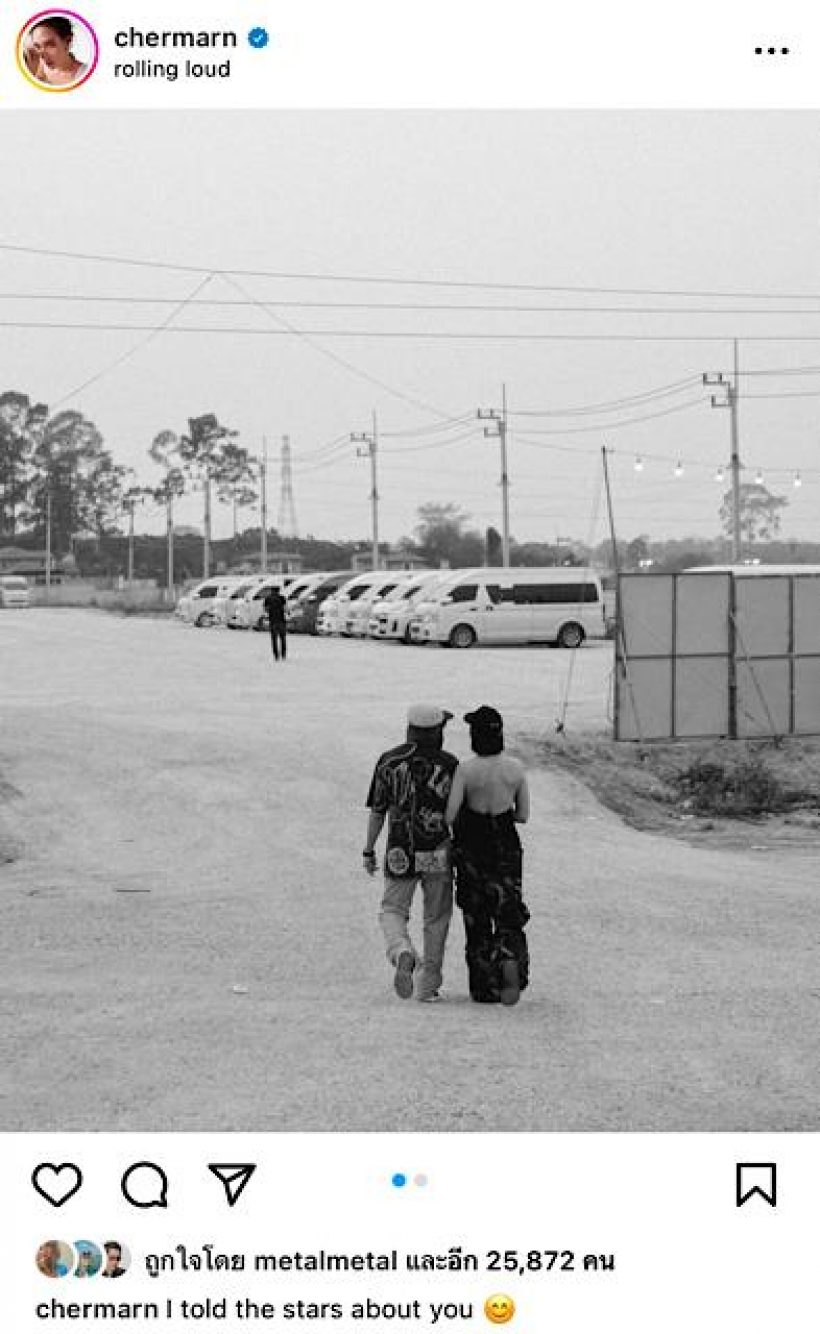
(499, 1308)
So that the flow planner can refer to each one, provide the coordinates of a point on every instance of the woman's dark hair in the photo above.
(62, 26)
(486, 740)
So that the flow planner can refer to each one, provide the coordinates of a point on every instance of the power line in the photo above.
(422, 307)
(143, 342)
(390, 280)
(663, 391)
(337, 457)
(455, 335)
(614, 426)
(308, 335)
(453, 424)
(433, 444)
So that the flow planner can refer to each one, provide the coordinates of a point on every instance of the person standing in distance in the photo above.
(274, 605)
(409, 789)
(489, 797)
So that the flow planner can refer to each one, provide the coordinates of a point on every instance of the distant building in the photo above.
(279, 562)
(29, 564)
(398, 557)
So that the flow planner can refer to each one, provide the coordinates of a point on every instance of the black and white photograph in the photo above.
(409, 622)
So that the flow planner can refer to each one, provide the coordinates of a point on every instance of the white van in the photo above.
(223, 603)
(197, 606)
(357, 620)
(248, 612)
(390, 617)
(334, 610)
(303, 609)
(553, 605)
(13, 591)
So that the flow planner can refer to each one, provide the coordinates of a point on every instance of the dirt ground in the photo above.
(189, 943)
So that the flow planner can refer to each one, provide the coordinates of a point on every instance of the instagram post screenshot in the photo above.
(409, 667)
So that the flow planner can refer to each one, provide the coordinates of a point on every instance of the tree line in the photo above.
(56, 472)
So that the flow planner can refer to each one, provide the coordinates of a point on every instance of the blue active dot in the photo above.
(399, 1179)
(258, 38)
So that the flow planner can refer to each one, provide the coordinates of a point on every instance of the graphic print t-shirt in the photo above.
(411, 787)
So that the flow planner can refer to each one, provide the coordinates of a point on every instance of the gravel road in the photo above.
(189, 943)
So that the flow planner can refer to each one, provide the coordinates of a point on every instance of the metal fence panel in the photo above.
(807, 613)
(650, 687)
(807, 696)
(762, 616)
(646, 602)
(702, 613)
(763, 697)
(701, 697)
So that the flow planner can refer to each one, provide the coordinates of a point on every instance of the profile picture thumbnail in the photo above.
(116, 1259)
(54, 1259)
(57, 50)
(89, 1259)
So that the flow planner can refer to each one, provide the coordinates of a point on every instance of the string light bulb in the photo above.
(758, 478)
(720, 475)
(798, 480)
(638, 464)
(678, 469)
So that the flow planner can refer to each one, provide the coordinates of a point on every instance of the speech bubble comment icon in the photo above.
(145, 1186)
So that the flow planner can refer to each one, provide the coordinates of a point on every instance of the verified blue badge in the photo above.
(258, 38)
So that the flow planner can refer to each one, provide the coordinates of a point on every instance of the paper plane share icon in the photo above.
(234, 1178)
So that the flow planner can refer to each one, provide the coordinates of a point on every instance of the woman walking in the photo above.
(489, 798)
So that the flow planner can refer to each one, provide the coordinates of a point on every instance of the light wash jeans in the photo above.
(394, 919)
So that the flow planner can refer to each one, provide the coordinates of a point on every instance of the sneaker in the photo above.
(510, 983)
(403, 979)
(431, 1000)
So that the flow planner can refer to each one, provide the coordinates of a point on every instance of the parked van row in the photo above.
(239, 601)
(457, 608)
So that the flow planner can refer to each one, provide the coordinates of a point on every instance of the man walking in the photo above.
(489, 798)
(275, 607)
(409, 788)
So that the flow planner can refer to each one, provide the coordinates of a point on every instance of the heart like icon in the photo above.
(56, 1182)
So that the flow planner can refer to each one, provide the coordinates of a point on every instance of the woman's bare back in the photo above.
(494, 784)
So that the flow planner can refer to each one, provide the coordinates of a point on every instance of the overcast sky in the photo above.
(705, 203)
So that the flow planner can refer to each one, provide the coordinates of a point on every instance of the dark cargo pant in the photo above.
(488, 877)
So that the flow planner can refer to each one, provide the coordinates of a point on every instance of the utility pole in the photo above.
(48, 539)
(730, 401)
(169, 533)
(263, 491)
(369, 448)
(131, 504)
(206, 540)
(499, 430)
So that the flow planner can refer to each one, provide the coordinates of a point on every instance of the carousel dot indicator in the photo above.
(399, 1180)
(419, 1179)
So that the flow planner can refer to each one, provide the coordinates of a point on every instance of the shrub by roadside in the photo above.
(656, 786)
